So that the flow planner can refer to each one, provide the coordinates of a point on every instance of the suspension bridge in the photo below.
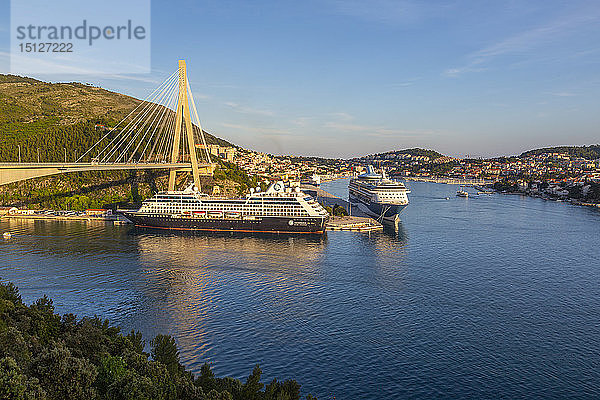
(160, 133)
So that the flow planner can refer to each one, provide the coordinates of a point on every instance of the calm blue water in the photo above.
(485, 297)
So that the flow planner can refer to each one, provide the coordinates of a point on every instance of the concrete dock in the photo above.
(38, 217)
(359, 224)
(356, 221)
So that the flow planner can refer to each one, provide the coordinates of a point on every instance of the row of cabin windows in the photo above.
(257, 213)
(388, 194)
(173, 208)
(196, 202)
(226, 206)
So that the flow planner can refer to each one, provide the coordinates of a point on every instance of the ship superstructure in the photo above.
(278, 209)
(377, 195)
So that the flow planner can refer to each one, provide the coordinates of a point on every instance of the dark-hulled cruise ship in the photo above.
(279, 209)
(377, 195)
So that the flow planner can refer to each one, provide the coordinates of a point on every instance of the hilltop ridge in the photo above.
(591, 152)
(415, 152)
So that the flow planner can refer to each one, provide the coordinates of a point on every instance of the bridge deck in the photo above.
(14, 172)
(99, 166)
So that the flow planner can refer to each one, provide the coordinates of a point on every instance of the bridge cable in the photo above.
(198, 122)
(133, 124)
(164, 121)
(159, 110)
(122, 136)
(116, 126)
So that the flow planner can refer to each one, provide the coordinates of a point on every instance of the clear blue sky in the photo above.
(347, 78)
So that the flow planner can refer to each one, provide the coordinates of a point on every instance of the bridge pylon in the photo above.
(183, 119)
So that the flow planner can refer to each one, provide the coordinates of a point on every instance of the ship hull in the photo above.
(308, 225)
(378, 210)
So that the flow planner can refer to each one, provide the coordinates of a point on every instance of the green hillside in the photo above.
(416, 151)
(591, 152)
(432, 154)
(47, 118)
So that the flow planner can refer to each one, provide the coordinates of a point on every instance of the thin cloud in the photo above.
(538, 36)
(454, 72)
(276, 135)
(138, 78)
(408, 82)
(563, 94)
(578, 56)
(302, 121)
(524, 42)
(342, 116)
(377, 131)
(60, 68)
(406, 133)
(248, 110)
(392, 12)
(402, 84)
(200, 96)
(257, 130)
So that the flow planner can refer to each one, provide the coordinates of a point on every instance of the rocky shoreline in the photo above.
(552, 198)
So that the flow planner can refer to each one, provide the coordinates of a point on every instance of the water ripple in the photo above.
(480, 298)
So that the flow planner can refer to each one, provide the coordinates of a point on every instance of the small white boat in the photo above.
(7, 235)
(462, 193)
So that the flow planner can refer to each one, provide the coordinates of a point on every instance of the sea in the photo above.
(486, 297)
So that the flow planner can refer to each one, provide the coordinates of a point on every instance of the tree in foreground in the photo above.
(44, 356)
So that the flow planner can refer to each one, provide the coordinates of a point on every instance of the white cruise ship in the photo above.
(279, 209)
(377, 195)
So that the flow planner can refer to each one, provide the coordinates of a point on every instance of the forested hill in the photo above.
(591, 152)
(432, 154)
(53, 116)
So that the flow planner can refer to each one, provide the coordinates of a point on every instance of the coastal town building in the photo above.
(225, 152)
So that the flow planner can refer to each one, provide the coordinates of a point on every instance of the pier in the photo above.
(41, 217)
(358, 224)
(356, 221)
